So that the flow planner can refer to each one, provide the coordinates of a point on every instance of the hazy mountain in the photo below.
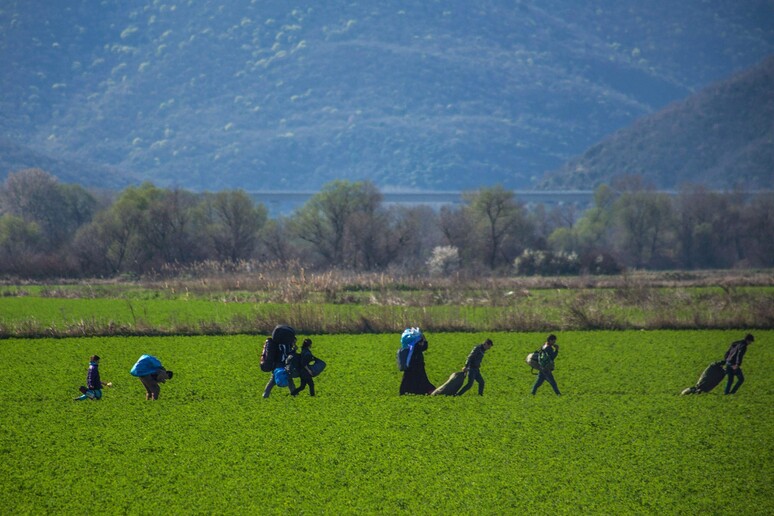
(14, 157)
(722, 137)
(270, 94)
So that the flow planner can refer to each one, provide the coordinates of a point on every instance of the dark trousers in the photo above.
(473, 374)
(306, 378)
(152, 387)
(545, 376)
(271, 384)
(731, 372)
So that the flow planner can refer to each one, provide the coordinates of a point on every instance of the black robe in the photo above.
(415, 379)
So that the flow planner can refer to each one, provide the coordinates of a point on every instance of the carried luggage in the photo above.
(145, 365)
(709, 379)
(281, 377)
(283, 334)
(403, 357)
(408, 339)
(269, 355)
(540, 360)
(317, 367)
(451, 386)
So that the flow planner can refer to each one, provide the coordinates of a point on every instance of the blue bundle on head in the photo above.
(410, 337)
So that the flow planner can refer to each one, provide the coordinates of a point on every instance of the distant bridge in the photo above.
(284, 202)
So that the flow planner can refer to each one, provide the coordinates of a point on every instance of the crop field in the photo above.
(58, 311)
(620, 440)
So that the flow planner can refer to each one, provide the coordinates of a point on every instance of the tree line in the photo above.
(49, 229)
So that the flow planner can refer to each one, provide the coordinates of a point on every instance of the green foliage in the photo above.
(619, 441)
(328, 221)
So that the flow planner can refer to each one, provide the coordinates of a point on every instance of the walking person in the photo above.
(93, 388)
(473, 367)
(283, 340)
(304, 372)
(549, 352)
(415, 380)
(733, 358)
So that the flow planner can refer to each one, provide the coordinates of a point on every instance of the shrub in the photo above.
(601, 264)
(546, 263)
(444, 261)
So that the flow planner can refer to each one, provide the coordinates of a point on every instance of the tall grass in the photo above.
(250, 298)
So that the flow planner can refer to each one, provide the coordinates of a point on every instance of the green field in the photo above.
(619, 441)
(70, 311)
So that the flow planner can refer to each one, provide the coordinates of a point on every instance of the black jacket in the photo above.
(736, 352)
(475, 357)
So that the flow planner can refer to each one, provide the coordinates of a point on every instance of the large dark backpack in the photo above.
(283, 334)
(269, 355)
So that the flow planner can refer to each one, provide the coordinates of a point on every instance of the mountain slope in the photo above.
(15, 157)
(270, 95)
(722, 137)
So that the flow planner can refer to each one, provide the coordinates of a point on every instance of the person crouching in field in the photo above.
(152, 383)
(93, 389)
(550, 350)
(152, 374)
(473, 367)
(733, 358)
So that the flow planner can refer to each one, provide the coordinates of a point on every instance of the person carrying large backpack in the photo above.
(277, 349)
(546, 356)
(733, 358)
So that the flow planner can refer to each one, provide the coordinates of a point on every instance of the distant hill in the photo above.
(15, 157)
(437, 95)
(721, 137)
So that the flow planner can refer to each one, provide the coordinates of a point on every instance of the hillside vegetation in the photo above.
(721, 137)
(271, 95)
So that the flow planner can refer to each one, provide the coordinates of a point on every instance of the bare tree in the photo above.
(503, 221)
(233, 221)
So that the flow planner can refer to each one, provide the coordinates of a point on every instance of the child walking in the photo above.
(303, 369)
(93, 389)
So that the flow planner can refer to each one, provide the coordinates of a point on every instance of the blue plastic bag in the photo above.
(281, 377)
(147, 364)
(410, 337)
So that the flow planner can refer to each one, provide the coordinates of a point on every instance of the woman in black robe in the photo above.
(415, 379)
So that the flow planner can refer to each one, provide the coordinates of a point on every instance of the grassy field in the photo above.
(619, 441)
(121, 310)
